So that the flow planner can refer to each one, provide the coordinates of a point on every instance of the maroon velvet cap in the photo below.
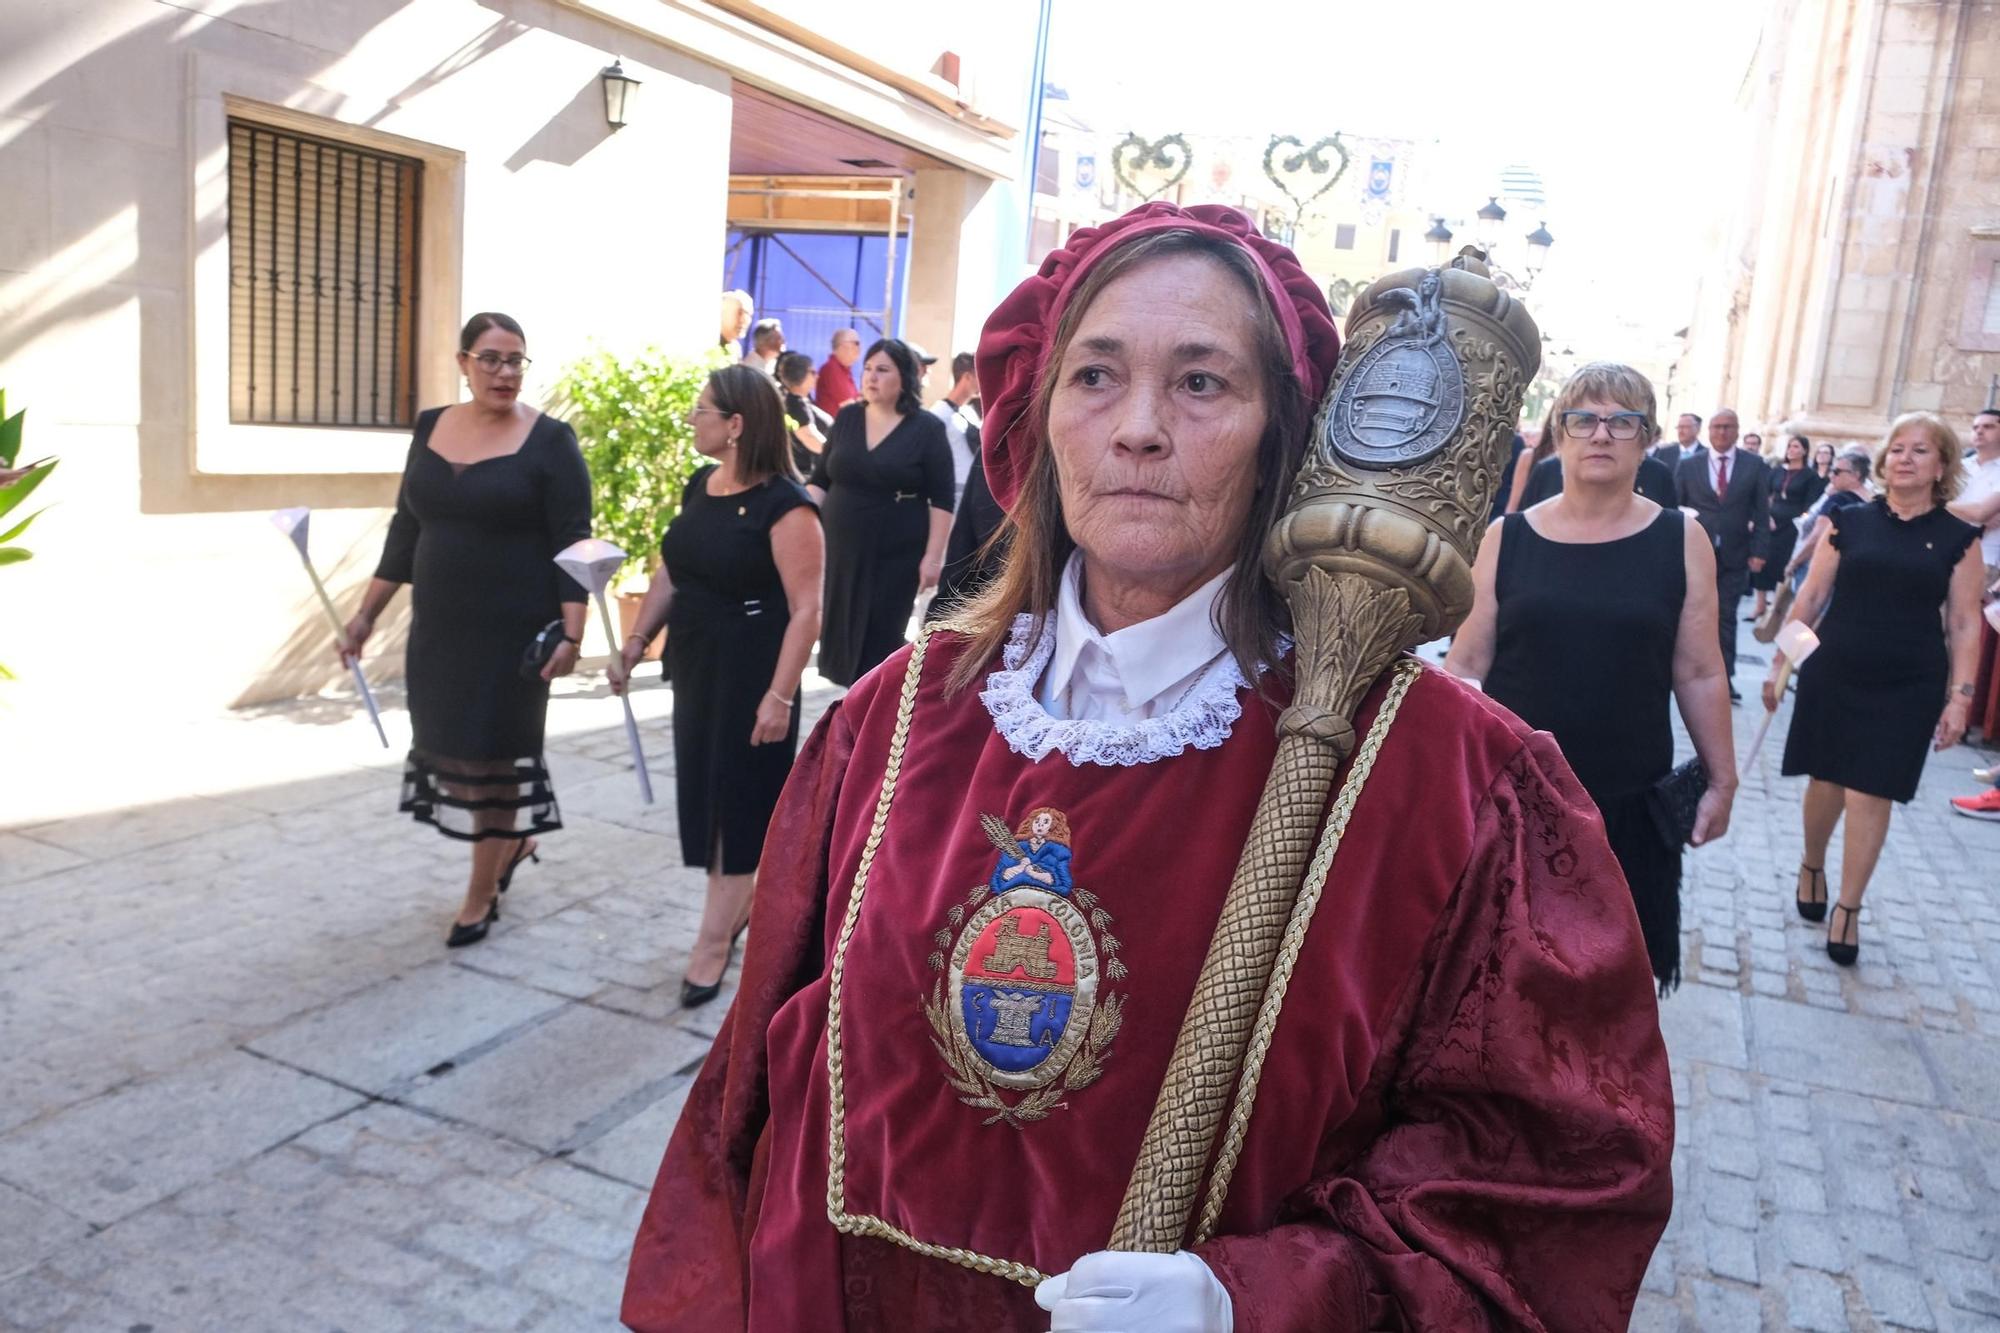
(1014, 347)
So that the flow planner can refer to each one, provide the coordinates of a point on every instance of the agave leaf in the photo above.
(22, 489)
(10, 434)
(21, 527)
(14, 555)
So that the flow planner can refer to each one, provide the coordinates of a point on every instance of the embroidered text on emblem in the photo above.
(1018, 1007)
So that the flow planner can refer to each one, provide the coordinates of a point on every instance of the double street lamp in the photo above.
(1492, 230)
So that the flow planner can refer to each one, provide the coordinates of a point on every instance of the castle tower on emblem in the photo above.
(1018, 1006)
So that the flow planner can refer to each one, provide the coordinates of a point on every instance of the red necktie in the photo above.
(1722, 476)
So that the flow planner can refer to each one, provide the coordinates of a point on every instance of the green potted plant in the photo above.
(630, 415)
(16, 485)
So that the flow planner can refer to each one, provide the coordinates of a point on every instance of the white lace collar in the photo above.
(1202, 720)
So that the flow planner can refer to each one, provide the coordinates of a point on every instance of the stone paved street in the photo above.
(246, 1088)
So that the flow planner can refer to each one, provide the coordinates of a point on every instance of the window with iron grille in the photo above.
(322, 281)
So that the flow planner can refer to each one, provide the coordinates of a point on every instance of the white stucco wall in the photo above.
(157, 582)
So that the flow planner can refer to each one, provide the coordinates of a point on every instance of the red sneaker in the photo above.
(1986, 805)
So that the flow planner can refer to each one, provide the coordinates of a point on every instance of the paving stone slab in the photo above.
(1704, 1025)
(1970, 1067)
(631, 1152)
(110, 1157)
(394, 1032)
(552, 1084)
(31, 1230)
(1838, 1050)
(137, 828)
(25, 858)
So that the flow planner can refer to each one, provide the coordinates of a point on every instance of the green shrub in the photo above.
(17, 490)
(631, 418)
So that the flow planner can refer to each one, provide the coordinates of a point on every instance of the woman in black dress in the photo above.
(807, 424)
(738, 592)
(1793, 488)
(491, 491)
(886, 487)
(1591, 610)
(1891, 674)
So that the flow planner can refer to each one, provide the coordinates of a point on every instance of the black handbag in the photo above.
(1675, 799)
(541, 648)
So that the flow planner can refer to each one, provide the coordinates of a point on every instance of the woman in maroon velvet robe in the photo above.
(931, 1090)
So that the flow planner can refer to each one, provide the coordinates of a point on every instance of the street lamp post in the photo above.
(1439, 240)
(1539, 242)
(1492, 218)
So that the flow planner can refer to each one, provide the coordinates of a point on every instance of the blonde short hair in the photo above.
(1943, 439)
(1615, 383)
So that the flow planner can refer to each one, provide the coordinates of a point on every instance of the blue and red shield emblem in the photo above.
(1018, 1005)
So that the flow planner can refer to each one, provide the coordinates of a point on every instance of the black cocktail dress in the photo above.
(878, 521)
(477, 543)
(726, 624)
(1870, 697)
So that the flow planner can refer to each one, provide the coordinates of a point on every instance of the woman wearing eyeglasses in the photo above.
(491, 491)
(1591, 611)
(1847, 484)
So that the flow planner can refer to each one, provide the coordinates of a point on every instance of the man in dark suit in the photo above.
(1725, 487)
(1686, 443)
(1655, 481)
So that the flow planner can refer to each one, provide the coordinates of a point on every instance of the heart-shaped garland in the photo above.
(1150, 155)
(1302, 166)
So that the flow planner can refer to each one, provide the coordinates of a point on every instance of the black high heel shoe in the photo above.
(462, 934)
(1812, 909)
(693, 996)
(1843, 953)
(521, 853)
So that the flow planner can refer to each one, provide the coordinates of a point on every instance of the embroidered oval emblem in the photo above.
(1023, 982)
(1016, 1005)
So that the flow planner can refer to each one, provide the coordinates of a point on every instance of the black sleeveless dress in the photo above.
(726, 625)
(1584, 649)
(1869, 699)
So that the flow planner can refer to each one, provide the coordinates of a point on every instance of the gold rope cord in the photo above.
(853, 1224)
(1295, 934)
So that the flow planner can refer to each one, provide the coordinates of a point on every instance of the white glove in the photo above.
(1115, 1291)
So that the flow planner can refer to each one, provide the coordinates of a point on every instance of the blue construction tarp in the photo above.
(816, 283)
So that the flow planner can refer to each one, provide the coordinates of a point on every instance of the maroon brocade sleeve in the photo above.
(689, 1267)
(1516, 1174)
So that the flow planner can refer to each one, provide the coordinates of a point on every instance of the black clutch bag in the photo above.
(1675, 798)
(540, 649)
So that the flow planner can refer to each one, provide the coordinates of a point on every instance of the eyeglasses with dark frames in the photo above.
(493, 363)
(1622, 425)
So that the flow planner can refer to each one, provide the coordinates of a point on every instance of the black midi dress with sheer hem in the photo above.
(878, 522)
(727, 625)
(477, 544)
